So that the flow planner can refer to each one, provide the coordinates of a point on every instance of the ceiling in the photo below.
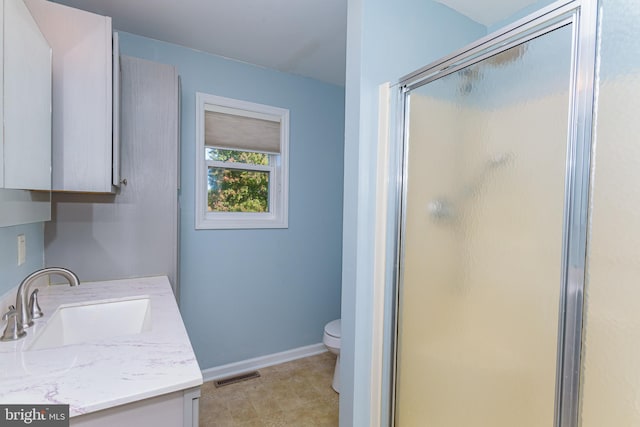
(305, 37)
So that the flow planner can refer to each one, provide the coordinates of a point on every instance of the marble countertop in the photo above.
(100, 374)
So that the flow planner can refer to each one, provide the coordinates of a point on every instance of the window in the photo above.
(242, 164)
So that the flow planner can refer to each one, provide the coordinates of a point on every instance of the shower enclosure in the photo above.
(492, 227)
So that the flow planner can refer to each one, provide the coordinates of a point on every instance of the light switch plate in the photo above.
(22, 249)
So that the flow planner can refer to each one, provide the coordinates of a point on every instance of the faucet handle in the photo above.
(14, 330)
(12, 310)
(34, 307)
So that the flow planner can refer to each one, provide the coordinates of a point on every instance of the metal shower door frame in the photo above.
(582, 15)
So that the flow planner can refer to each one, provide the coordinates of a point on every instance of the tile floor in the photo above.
(296, 393)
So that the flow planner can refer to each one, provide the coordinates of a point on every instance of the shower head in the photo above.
(443, 209)
(499, 160)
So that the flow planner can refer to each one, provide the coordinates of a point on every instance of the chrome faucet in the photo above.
(25, 316)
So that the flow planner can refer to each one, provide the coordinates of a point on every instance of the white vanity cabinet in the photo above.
(83, 137)
(149, 378)
(180, 408)
(26, 101)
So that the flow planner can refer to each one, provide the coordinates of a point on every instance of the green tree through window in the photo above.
(237, 190)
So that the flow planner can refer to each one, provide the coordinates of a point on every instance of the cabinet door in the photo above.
(139, 243)
(82, 96)
(1, 92)
(163, 410)
(27, 101)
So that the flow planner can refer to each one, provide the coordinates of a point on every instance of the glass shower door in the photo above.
(482, 240)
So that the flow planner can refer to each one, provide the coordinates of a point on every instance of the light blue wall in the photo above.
(385, 40)
(10, 273)
(519, 14)
(247, 293)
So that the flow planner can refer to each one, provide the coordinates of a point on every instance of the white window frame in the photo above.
(277, 217)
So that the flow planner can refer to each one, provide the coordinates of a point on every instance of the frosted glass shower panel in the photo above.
(483, 239)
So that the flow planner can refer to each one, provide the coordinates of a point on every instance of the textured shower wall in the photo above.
(611, 338)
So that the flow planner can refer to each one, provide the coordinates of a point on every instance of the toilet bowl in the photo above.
(331, 340)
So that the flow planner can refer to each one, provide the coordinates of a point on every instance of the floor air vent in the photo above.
(236, 379)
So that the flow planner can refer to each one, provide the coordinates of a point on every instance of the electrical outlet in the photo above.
(22, 249)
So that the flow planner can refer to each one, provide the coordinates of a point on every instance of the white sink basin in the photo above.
(94, 320)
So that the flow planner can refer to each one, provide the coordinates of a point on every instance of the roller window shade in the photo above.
(243, 133)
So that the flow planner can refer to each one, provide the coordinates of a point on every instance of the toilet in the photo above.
(331, 340)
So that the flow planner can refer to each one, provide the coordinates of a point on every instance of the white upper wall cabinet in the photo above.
(2, 93)
(82, 158)
(27, 101)
(25, 117)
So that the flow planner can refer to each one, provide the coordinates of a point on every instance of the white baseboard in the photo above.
(243, 366)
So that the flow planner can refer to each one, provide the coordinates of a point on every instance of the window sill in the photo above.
(240, 221)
